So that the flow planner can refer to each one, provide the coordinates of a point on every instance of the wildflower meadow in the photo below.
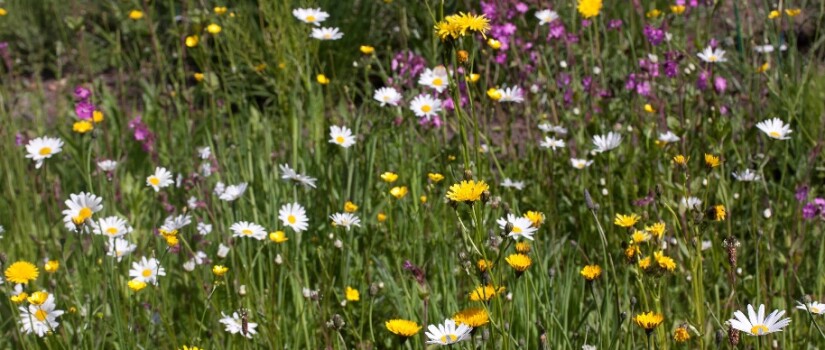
(412, 174)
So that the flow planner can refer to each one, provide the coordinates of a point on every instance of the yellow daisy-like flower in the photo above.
(473, 317)
(649, 108)
(192, 41)
(644, 264)
(639, 237)
(793, 12)
(219, 270)
(677, 9)
(135, 15)
(680, 160)
(536, 217)
(172, 241)
(97, 116)
(773, 14)
(648, 320)
(350, 207)
(653, 13)
(632, 251)
(494, 94)
(219, 10)
(403, 328)
(591, 272)
(589, 8)
(718, 212)
(353, 294)
(21, 272)
(213, 29)
(51, 266)
(423, 199)
(712, 161)
(467, 191)
(493, 44)
(764, 67)
(484, 265)
(657, 229)
(455, 26)
(278, 237)
(367, 50)
(626, 220)
(3, 12)
(198, 77)
(519, 262)
(523, 247)
(485, 293)
(664, 262)
(82, 126)
(322, 79)
(136, 285)
(399, 192)
(681, 335)
(37, 298)
(381, 217)
(435, 177)
(191, 347)
(389, 177)
(19, 298)
(446, 29)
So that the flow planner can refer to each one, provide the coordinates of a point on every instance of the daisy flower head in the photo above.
(467, 191)
(239, 324)
(119, 247)
(546, 16)
(589, 8)
(147, 270)
(341, 135)
(556, 129)
(80, 208)
(107, 165)
(511, 94)
(310, 16)
(175, 223)
(648, 320)
(160, 179)
(756, 323)
(746, 175)
(21, 272)
(509, 183)
(402, 328)
(690, 203)
(711, 55)
(387, 96)
(112, 226)
(294, 216)
(580, 163)
(447, 333)
(814, 307)
(291, 175)
(248, 229)
(607, 142)
(551, 143)
(775, 128)
(434, 78)
(521, 227)
(668, 137)
(346, 220)
(425, 106)
(325, 33)
(40, 319)
(233, 192)
(43, 147)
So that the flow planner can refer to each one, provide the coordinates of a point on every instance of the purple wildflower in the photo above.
(84, 110)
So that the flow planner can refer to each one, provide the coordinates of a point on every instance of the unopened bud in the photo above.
(242, 290)
(468, 174)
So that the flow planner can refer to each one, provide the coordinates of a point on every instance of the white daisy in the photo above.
(508, 183)
(233, 192)
(522, 227)
(691, 203)
(248, 229)
(580, 163)
(607, 142)
(815, 307)
(234, 324)
(434, 78)
(119, 247)
(43, 147)
(763, 48)
(189, 265)
(341, 135)
(746, 175)
(39, 319)
(387, 96)
(756, 323)
(107, 165)
(326, 33)
(712, 55)
(160, 179)
(311, 16)
(147, 270)
(551, 143)
(288, 174)
(511, 94)
(223, 251)
(775, 128)
(294, 216)
(556, 129)
(175, 223)
(204, 152)
(668, 137)
(447, 333)
(219, 188)
(425, 106)
(81, 207)
(112, 226)
(204, 228)
(347, 220)
(546, 16)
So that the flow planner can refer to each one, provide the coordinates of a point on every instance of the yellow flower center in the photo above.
(327, 36)
(386, 98)
(310, 18)
(815, 310)
(45, 151)
(40, 315)
(774, 134)
(712, 58)
(437, 82)
(246, 231)
(154, 181)
(759, 329)
(426, 108)
(516, 229)
(111, 231)
(339, 139)
(85, 213)
(291, 219)
(448, 338)
(147, 272)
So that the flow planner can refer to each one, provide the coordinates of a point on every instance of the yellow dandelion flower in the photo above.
(353, 294)
(3, 12)
(19, 298)
(589, 8)
(403, 328)
(494, 44)
(484, 265)
(680, 160)
(639, 237)
(712, 161)
(718, 212)
(97, 116)
(198, 77)
(82, 127)
(51, 266)
(219, 10)
(657, 229)
(136, 285)
(793, 12)
(773, 14)
(677, 9)
(473, 77)
(260, 67)
(536, 217)
(322, 79)
(467, 191)
(626, 220)
(523, 247)
(664, 262)
(399, 191)
(653, 13)
(649, 108)
(485, 293)
(278, 237)
(219, 270)
(21, 272)
(435, 177)
(473, 317)
(381, 217)
(172, 241)
(192, 41)
(38, 298)
(446, 29)
(423, 199)
(473, 23)
(367, 50)
(494, 94)
(389, 177)
(764, 67)
(350, 207)
(135, 15)
(632, 251)
(213, 29)
(648, 320)
(519, 262)
(644, 264)
(681, 335)
(462, 56)
(591, 272)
